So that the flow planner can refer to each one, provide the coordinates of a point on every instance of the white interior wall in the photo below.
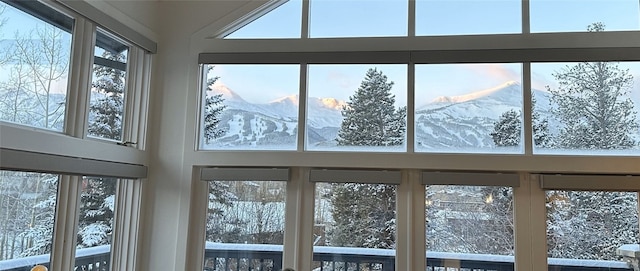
(179, 28)
(167, 192)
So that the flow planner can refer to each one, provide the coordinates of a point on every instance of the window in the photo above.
(108, 88)
(282, 22)
(575, 113)
(468, 108)
(96, 222)
(34, 64)
(250, 107)
(354, 219)
(568, 15)
(590, 225)
(439, 17)
(245, 225)
(468, 220)
(370, 18)
(357, 107)
(27, 208)
(352, 216)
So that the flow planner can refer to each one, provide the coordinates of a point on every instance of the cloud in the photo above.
(341, 80)
(497, 72)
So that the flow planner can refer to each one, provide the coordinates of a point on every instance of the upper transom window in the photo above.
(393, 18)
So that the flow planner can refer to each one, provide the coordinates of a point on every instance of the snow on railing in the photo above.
(84, 257)
(98, 255)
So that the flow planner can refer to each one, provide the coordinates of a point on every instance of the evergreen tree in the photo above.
(370, 118)
(364, 214)
(95, 224)
(105, 114)
(213, 108)
(593, 105)
(507, 130)
(97, 199)
(541, 135)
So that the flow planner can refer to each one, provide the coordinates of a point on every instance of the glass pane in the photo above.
(250, 107)
(469, 108)
(458, 17)
(283, 22)
(469, 224)
(95, 223)
(575, 15)
(586, 108)
(365, 18)
(590, 226)
(245, 225)
(106, 108)
(27, 208)
(34, 67)
(357, 108)
(355, 226)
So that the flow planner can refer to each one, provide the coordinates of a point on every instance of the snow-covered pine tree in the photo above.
(213, 107)
(370, 116)
(507, 130)
(105, 114)
(541, 135)
(364, 214)
(39, 234)
(592, 102)
(593, 106)
(95, 224)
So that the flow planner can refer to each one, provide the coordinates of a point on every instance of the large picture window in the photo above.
(27, 208)
(469, 222)
(469, 108)
(586, 108)
(245, 225)
(108, 88)
(34, 65)
(590, 225)
(356, 108)
(358, 220)
(250, 107)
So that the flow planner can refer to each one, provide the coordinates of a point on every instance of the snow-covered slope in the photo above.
(463, 121)
(466, 121)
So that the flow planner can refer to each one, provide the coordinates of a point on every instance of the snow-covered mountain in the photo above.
(463, 121)
(466, 121)
(274, 124)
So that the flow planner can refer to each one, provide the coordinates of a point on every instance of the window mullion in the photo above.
(411, 107)
(411, 17)
(527, 108)
(410, 235)
(529, 225)
(299, 210)
(526, 15)
(136, 97)
(197, 222)
(80, 78)
(302, 106)
(66, 223)
(126, 224)
(305, 19)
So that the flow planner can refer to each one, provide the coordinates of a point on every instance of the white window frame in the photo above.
(72, 154)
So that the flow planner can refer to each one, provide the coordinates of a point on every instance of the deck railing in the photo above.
(232, 257)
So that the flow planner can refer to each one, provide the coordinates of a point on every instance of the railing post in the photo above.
(630, 254)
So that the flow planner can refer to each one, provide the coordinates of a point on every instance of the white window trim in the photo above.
(355, 176)
(71, 154)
